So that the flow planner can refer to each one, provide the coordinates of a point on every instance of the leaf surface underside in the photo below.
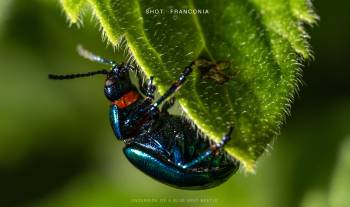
(263, 40)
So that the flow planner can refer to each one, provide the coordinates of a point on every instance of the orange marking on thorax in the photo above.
(127, 99)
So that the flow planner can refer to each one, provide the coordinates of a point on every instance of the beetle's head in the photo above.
(117, 82)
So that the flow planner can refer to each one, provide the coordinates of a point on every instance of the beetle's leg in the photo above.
(90, 56)
(173, 88)
(147, 88)
(140, 115)
(177, 154)
(151, 111)
(212, 149)
(167, 105)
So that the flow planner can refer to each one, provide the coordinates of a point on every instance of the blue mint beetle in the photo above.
(164, 146)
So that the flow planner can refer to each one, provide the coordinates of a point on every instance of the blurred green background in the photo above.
(57, 148)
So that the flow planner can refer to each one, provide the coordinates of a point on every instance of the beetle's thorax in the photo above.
(127, 99)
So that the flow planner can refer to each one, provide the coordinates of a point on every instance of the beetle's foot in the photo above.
(225, 139)
(147, 88)
(150, 88)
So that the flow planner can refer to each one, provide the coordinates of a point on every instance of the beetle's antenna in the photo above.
(92, 57)
(78, 75)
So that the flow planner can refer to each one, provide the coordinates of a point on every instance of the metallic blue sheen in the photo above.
(196, 161)
(115, 121)
(174, 176)
(178, 156)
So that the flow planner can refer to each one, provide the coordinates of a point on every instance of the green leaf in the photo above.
(73, 9)
(263, 40)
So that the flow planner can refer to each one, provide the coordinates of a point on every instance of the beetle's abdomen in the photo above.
(172, 175)
(174, 141)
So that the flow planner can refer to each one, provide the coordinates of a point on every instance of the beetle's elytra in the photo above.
(164, 146)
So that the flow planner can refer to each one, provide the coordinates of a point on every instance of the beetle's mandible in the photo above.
(162, 145)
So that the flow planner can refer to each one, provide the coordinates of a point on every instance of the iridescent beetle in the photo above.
(164, 146)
